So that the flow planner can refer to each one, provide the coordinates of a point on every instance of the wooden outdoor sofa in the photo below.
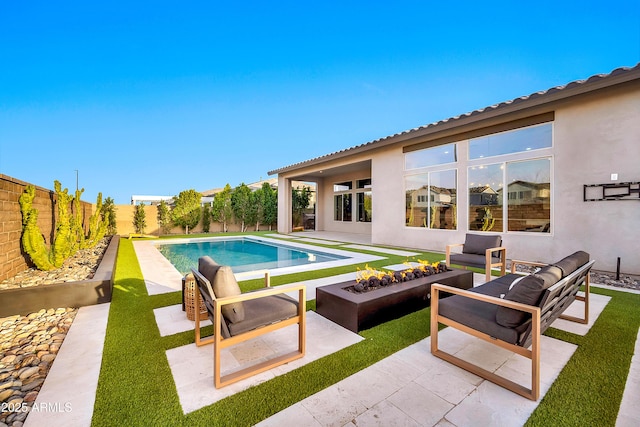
(512, 318)
(239, 317)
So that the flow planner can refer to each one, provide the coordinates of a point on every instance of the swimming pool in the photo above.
(243, 254)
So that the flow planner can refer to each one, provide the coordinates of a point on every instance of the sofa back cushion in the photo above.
(478, 244)
(550, 275)
(571, 263)
(225, 285)
(208, 268)
(527, 291)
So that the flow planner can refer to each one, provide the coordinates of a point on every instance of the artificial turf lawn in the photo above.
(136, 386)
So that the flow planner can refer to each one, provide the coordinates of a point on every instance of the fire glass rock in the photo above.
(385, 280)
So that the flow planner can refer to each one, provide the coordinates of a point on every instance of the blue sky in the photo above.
(159, 97)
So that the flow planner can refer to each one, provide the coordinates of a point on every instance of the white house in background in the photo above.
(554, 151)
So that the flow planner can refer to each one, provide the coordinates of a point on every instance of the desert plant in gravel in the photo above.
(69, 232)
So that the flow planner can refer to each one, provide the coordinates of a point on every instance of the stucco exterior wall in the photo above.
(594, 136)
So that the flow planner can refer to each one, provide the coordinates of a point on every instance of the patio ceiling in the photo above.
(318, 172)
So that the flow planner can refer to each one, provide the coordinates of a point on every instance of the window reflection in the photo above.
(440, 155)
(529, 196)
(485, 197)
(515, 141)
(431, 200)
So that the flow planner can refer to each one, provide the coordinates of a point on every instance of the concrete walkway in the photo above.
(408, 388)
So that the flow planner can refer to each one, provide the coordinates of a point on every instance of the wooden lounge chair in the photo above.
(240, 317)
(512, 318)
(480, 251)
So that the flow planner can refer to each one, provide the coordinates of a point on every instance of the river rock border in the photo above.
(28, 347)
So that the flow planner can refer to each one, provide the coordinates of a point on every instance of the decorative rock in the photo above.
(26, 356)
(5, 394)
(33, 384)
(8, 359)
(31, 396)
(28, 372)
(7, 384)
(48, 358)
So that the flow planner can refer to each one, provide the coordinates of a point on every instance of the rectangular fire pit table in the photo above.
(364, 310)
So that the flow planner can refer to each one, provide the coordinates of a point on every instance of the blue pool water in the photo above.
(241, 254)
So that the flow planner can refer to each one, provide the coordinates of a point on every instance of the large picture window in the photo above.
(431, 200)
(342, 201)
(363, 196)
(485, 197)
(525, 188)
(529, 196)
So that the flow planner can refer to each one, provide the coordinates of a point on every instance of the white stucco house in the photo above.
(554, 152)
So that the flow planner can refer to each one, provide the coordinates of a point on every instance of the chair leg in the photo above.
(585, 319)
(199, 341)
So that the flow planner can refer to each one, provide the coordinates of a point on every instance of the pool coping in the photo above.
(352, 257)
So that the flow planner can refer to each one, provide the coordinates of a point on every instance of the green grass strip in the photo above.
(136, 386)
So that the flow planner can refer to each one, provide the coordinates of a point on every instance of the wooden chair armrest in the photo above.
(496, 249)
(437, 287)
(261, 293)
(448, 251)
(267, 276)
(515, 262)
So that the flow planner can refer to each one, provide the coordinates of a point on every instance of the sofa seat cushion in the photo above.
(225, 285)
(478, 244)
(571, 263)
(478, 315)
(471, 260)
(264, 311)
(527, 291)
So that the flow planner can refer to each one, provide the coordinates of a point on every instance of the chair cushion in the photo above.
(550, 275)
(478, 244)
(225, 285)
(208, 268)
(471, 260)
(571, 263)
(527, 291)
(478, 315)
(264, 311)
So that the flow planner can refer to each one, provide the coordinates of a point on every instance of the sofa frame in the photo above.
(553, 303)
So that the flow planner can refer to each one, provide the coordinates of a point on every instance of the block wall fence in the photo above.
(12, 259)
